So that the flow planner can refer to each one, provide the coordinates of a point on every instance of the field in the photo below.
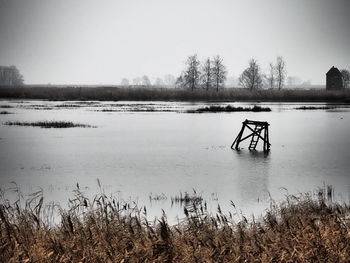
(104, 229)
(139, 93)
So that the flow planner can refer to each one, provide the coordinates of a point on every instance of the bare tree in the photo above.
(136, 81)
(281, 72)
(346, 77)
(124, 82)
(145, 81)
(219, 72)
(159, 82)
(251, 77)
(169, 80)
(207, 74)
(10, 76)
(271, 78)
(192, 73)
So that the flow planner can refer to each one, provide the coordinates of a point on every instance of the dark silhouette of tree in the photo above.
(10, 76)
(192, 73)
(281, 72)
(251, 77)
(207, 74)
(346, 77)
(219, 72)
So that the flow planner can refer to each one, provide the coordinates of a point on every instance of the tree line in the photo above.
(10, 76)
(212, 74)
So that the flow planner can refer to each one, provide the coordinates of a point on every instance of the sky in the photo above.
(101, 42)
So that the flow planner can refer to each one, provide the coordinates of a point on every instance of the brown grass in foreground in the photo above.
(106, 230)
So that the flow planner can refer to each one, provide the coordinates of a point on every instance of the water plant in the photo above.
(49, 124)
(106, 229)
(230, 108)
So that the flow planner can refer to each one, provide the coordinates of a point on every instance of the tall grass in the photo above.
(105, 229)
(50, 124)
(137, 93)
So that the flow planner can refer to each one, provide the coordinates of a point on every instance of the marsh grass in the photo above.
(106, 229)
(49, 124)
(154, 93)
(5, 112)
(230, 108)
(316, 108)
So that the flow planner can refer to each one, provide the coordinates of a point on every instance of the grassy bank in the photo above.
(106, 230)
(116, 93)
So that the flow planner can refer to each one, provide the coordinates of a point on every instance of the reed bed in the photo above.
(316, 108)
(230, 108)
(155, 93)
(49, 124)
(106, 229)
(5, 112)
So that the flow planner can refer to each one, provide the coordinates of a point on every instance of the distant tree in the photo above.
(145, 81)
(179, 82)
(207, 74)
(169, 80)
(251, 77)
(281, 72)
(219, 72)
(231, 81)
(293, 80)
(136, 81)
(10, 76)
(346, 77)
(124, 82)
(192, 73)
(159, 82)
(271, 78)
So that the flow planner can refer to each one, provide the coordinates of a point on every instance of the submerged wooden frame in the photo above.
(256, 127)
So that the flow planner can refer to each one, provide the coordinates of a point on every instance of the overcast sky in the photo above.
(101, 42)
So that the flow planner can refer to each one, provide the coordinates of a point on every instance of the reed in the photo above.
(230, 108)
(49, 124)
(106, 229)
(154, 93)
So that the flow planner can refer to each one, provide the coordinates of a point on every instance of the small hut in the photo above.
(334, 79)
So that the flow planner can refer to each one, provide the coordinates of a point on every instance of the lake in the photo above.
(143, 150)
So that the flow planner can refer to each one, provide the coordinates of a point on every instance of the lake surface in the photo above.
(146, 149)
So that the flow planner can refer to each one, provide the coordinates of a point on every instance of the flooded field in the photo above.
(151, 152)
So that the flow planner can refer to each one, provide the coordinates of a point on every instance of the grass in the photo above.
(230, 108)
(49, 124)
(5, 112)
(105, 229)
(315, 108)
(139, 93)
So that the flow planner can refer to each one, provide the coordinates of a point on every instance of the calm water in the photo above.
(140, 150)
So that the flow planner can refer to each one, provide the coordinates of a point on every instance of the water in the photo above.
(140, 150)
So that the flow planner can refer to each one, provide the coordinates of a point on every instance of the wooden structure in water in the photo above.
(259, 130)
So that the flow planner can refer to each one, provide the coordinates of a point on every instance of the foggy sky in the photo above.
(101, 42)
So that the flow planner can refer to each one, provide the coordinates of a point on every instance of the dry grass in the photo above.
(139, 93)
(107, 230)
(49, 124)
(230, 108)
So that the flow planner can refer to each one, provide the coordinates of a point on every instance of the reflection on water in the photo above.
(135, 154)
(253, 184)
